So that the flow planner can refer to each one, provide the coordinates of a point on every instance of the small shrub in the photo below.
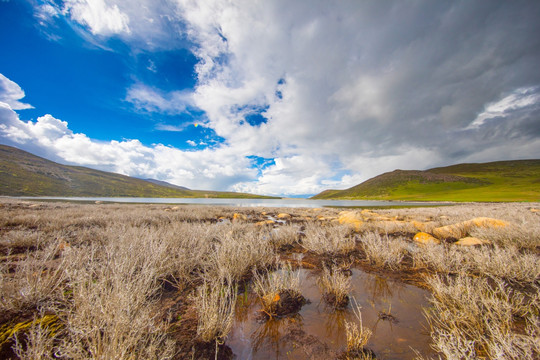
(332, 239)
(279, 291)
(215, 304)
(335, 286)
(357, 336)
(382, 251)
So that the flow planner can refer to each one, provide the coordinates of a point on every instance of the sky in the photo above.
(273, 97)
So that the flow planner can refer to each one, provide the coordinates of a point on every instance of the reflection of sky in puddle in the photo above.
(250, 339)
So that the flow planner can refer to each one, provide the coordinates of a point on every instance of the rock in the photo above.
(265, 222)
(471, 241)
(462, 229)
(351, 218)
(456, 231)
(347, 217)
(485, 222)
(425, 238)
(283, 216)
(423, 226)
(237, 216)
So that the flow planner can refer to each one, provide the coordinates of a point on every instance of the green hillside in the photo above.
(24, 174)
(517, 180)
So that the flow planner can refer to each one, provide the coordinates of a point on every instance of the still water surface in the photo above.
(318, 332)
(244, 202)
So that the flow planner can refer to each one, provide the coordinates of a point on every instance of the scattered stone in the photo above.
(237, 216)
(423, 226)
(425, 238)
(485, 222)
(456, 231)
(265, 222)
(462, 229)
(471, 241)
(351, 218)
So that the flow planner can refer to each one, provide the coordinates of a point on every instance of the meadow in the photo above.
(132, 281)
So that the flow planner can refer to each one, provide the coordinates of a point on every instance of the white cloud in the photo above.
(11, 93)
(217, 168)
(150, 99)
(518, 99)
(356, 98)
(100, 18)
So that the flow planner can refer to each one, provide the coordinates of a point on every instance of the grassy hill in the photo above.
(517, 180)
(24, 174)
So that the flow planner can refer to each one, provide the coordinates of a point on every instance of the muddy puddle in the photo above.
(318, 332)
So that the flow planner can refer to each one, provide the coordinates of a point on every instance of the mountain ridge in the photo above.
(512, 180)
(26, 174)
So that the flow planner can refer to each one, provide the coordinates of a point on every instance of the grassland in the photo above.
(496, 181)
(24, 174)
(103, 281)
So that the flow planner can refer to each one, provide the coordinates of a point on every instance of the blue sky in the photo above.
(270, 97)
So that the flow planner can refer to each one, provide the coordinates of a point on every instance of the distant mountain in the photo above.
(24, 174)
(517, 180)
(166, 184)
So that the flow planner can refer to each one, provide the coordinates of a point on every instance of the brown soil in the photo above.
(334, 302)
(289, 303)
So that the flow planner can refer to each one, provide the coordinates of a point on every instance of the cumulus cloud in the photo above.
(100, 18)
(348, 89)
(11, 93)
(217, 168)
(356, 97)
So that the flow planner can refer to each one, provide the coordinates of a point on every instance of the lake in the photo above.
(244, 202)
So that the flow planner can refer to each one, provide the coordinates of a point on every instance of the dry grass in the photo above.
(215, 303)
(238, 249)
(383, 251)
(335, 286)
(470, 317)
(111, 308)
(36, 280)
(331, 239)
(104, 270)
(271, 287)
(357, 335)
(508, 263)
(284, 236)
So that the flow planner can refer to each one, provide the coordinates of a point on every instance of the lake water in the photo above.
(244, 202)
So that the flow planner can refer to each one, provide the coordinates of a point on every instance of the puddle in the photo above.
(318, 332)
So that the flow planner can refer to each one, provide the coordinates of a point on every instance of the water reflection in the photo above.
(318, 326)
(269, 336)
